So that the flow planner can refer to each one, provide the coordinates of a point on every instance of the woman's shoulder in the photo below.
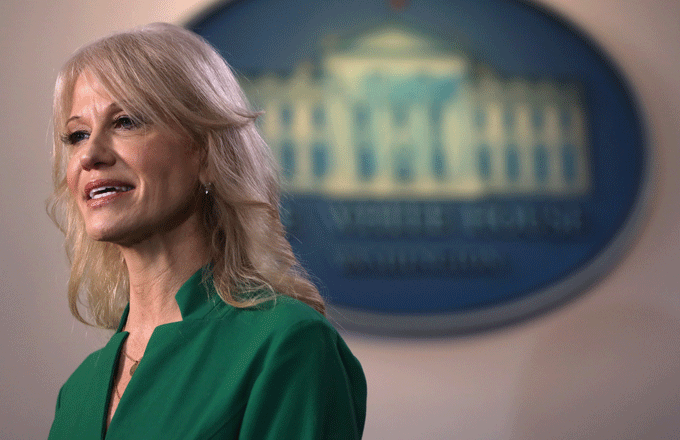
(90, 370)
(281, 313)
(279, 330)
(288, 310)
(86, 367)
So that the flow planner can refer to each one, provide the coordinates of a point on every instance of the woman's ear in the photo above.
(204, 174)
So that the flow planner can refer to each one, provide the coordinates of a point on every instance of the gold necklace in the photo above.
(135, 363)
(133, 368)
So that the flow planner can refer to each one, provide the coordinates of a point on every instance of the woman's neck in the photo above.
(157, 268)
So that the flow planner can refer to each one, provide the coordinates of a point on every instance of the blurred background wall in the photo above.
(603, 366)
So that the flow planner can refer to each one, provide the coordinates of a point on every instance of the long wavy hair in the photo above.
(166, 75)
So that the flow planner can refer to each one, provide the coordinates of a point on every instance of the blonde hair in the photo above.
(166, 75)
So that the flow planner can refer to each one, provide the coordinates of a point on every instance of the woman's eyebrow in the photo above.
(73, 118)
(111, 108)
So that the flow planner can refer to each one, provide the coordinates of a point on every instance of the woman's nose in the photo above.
(97, 153)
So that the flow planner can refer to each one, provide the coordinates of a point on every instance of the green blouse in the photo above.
(276, 371)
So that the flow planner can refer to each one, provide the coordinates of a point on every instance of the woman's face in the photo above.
(131, 180)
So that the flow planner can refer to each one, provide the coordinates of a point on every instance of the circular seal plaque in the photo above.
(448, 165)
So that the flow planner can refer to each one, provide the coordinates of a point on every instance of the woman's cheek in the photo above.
(72, 178)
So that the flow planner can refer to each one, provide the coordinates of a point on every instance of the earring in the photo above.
(207, 188)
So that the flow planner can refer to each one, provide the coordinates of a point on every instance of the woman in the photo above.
(168, 199)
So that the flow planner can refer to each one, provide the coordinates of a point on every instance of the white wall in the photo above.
(604, 366)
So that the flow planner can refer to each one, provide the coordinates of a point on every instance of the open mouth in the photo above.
(103, 191)
(103, 188)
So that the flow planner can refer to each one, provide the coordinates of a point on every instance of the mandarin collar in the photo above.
(196, 298)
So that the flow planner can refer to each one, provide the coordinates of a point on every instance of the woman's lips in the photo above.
(93, 203)
(102, 191)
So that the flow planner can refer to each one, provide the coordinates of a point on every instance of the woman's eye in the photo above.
(75, 137)
(126, 123)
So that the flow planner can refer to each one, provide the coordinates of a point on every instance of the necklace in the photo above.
(135, 363)
(133, 368)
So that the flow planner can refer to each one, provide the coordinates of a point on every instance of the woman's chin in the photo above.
(106, 234)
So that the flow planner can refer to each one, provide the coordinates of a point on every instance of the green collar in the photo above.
(196, 298)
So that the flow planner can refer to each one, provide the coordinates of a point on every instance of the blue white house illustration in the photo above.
(393, 113)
